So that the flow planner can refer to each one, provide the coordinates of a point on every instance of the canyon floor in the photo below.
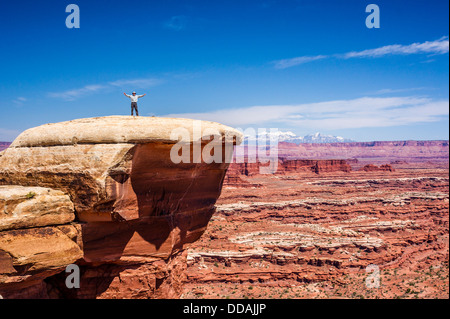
(307, 235)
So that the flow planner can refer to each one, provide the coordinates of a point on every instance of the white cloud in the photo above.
(137, 83)
(176, 23)
(440, 46)
(243, 116)
(20, 100)
(73, 94)
(392, 91)
(287, 63)
(340, 114)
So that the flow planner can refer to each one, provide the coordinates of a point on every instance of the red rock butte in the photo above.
(103, 193)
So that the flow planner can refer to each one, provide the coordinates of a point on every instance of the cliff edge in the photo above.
(105, 193)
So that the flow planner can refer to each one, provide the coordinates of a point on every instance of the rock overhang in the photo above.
(124, 130)
(112, 165)
(130, 199)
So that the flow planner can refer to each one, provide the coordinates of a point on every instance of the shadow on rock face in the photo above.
(157, 209)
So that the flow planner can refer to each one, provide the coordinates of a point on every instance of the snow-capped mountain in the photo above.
(319, 138)
(291, 137)
(271, 135)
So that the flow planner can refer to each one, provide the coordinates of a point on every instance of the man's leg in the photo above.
(134, 107)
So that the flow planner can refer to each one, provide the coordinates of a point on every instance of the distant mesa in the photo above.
(379, 151)
(4, 145)
(290, 137)
(375, 168)
(396, 162)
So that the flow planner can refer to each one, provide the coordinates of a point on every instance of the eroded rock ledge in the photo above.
(104, 193)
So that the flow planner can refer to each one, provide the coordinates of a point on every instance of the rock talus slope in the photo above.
(107, 190)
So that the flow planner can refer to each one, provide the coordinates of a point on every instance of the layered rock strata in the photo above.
(317, 236)
(394, 150)
(284, 166)
(108, 186)
(375, 168)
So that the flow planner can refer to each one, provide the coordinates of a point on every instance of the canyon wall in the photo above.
(283, 166)
(375, 168)
(410, 150)
(307, 235)
(104, 193)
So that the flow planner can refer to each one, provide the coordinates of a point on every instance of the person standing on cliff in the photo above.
(134, 98)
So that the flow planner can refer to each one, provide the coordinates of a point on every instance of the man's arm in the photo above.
(139, 96)
(126, 94)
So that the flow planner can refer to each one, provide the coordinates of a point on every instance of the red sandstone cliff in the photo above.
(374, 168)
(103, 193)
(290, 165)
(412, 150)
(283, 166)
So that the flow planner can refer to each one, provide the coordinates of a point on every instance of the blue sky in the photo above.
(297, 65)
